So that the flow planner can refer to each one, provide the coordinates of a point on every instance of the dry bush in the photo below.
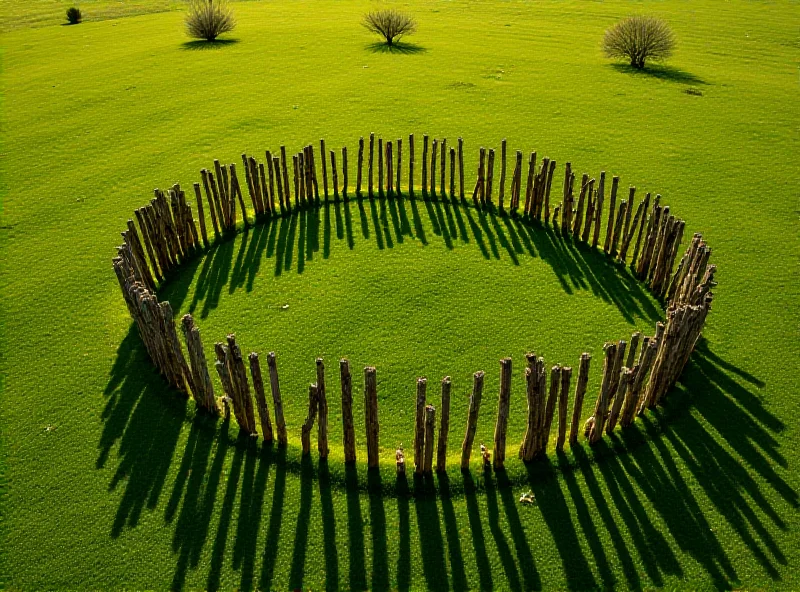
(390, 24)
(639, 38)
(74, 16)
(208, 19)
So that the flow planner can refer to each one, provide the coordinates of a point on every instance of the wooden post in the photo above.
(411, 164)
(389, 169)
(633, 395)
(597, 421)
(501, 425)
(261, 400)
(591, 203)
(598, 209)
(481, 176)
(576, 225)
(563, 397)
(322, 401)
(430, 426)
(287, 194)
(489, 175)
(200, 214)
(212, 205)
(400, 461)
(324, 168)
(461, 168)
(370, 165)
(611, 206)
(619, 398)
(580, 392)
(203, 391)
(280, 423)
(547, 190)
(419, 425)
(618, 227)
(371, 415)
(347, 412)
(360, 165)
(241, 386)
(444, 427)
(644, 206)
(335, 176)
(381, 180)
(443, 168)
(631, 359)
(516, 185)
(529, 186)
(552, 397)
(308, 424)
(272, 177)
(424, 165)
(313, 170)
(399, 164)
(472, 419)
(502, 191)
(434, 146)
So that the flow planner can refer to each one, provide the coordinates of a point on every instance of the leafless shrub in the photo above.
(639, 38)
(390, 24)
(208, 19)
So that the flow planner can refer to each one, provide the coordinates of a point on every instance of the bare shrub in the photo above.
(208, 19)
(639, 38)
(74, 16)
(390, 24)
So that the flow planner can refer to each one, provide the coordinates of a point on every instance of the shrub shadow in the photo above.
(661, 72)
(400, 47)
(203, 45)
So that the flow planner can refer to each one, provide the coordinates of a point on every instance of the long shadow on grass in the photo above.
(660, 72)
(289, 243)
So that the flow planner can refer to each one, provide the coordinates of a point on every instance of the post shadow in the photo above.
(530, 574)
(457, 574)
(271, 544)
(355, 530)
(493, 518)
(328, 527)
(404, 536)
(303, 519)
(434, 566)
(476, 529)
(251, 509)
(377, 521)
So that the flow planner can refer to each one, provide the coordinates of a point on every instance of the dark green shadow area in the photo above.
(660, 72)
(203, 45)
(398, 47)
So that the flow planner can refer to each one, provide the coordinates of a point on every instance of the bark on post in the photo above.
(203, 387)
(547, 190)
(424, 165)
(635, 338)
(444, 427)
(308, 424)
(344, 172)
(434, 147)
(261, 400)
(324, 168)
(411, 164)
(238, 374)
(280, 423)
(347, 411)
(489, 175)
(370, 175)
(472, 419)
(598, 209)
(419, 425)
(580, 392)
(442, 166)
(371, 415)
(502, 190)
(619, 398)
(381, 179)
(611, 209)
(597, 421)
(552, 397)
(200, 214)
(389, 169)
(285, 170)
(529, 187)
(335, 175)
(399, 164)
(501, 425)
(322, 402)
(461, 168)
(430, 428)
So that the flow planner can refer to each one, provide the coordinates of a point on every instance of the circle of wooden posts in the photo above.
(636, 374)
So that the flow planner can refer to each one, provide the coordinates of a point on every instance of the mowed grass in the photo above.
(112, 482)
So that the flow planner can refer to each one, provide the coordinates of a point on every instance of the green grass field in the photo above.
(111, 481)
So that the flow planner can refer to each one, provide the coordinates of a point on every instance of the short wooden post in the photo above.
(322, 402)
(324, 168)
(335, 175)
(399, 164)
(400, 461)
(444, 427)
(271, 175)
(370, 174)
(371, 415)
(452, 173)
(502, 190)
(360, 165)
(344, 172)
(284, 169)
(347, 411)
(442, 167)
(552, 170)
(419, 425)
(566, 376)
(389, 169)
(598, 209)
(280, 423)
(276, 165)
(489, 175)
(472, 419)
(461, 168)
(552, 397)
(308, 424)
(381, 180)
(434, 147)
(611, 210)
(430, 427)
(580, 393)
(200, 215)
(261, 399)
(411, 164)
(424, 165)
(501, 424)
(529, 186)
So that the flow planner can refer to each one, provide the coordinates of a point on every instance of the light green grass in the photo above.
(129, 489)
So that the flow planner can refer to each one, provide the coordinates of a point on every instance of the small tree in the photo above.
(390, 24)
(208, 19)
(74, 16)
(639, 38)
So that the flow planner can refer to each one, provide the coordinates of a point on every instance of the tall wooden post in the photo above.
(347, 411)
(399, 164)
(322, 399)
(419, 425)
(261, 400)
(461, 168)
(371, 162)
(430, 427)
(280, 423)
(580, 393)
(502, 191)
(371, 413)
(502, 414)
(308, 424)
(411, 164)
(472, 419)
(360, 165)
(566, 376)
(322, 154)
(424, 165)
(444, 427)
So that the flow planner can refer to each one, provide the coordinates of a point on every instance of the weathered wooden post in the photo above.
(566, 376)
(443, 168)
(596, 423)
(203, 387)
(389, 169)
(424, 165)
(200, 214)
(371, 413)
(335, 175)
(502, 191)
(489, 175)
(360, 165)
(461, 168)
(344, 172)
(381, 179)
(322, 154)
(452, 173)
(322, 402)
(580, 393)
(261, 399)
(598, 209)
(430, 426)
(347, 411)
(280, 423)
(411, 164)
(419, 425)
(619, 398)
(444, 427)
(529, 186)
(399, 164)
(308, 424)
(472, 419)
(501, 425)
(371, 162)
(434, 146)
(285, 171)
(611, 219)
(552, 397)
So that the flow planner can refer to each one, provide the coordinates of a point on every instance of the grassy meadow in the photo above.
(109, 480)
